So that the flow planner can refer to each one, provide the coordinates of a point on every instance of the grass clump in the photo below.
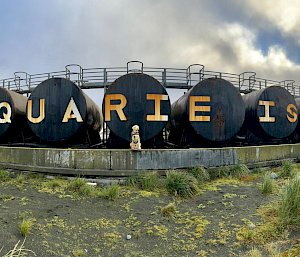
(4, 175)
(220, 172)
(267, 186)
(79, 186)
(20, 179)
(25, 227)
(201, 174)
(254, 252)
(149, 181)
(78, 252)
(239, 171)
(289, 206)
(288, 169)
(111, 192)
(168, 210)
(144, 181)
(56, 183)
(181, 184)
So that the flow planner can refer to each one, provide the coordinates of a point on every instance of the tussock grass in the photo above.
(289, 206)
(181, 184)
(168, 210)
(149, 181)
(79, 186)
(201, 174)
(77, 252)
(20, 179)
(111, 192)
(19, 251)
(288, 169)
(267, 186)
(25, 227)
(144, 181)
(4, 175)
(221, 172)
(56, 183)
(239, 171)
(254, 252)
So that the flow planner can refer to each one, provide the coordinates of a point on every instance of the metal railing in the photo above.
(180, 78)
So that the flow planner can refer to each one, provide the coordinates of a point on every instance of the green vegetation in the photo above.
(201, 174)
(4, 175)
(289, 206)
(181, 184)
(225, 215)
(254, 252)
(221, 172)
(78, 252)
(169, 210)
(264, 232)
(145, 181)
(20, 179)
(111, 192)
(25, 227)
(239, 170)
(78, 186)
(267, 186)
(288, 169)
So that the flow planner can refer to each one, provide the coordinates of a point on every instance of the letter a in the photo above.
(72, 112)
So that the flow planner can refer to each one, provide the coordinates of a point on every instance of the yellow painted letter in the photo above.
(267, 117)
(292, 115)
(194, 108)
(157, 99)
(7, 115)
(115, 107)
(42, 111)
(72, 112)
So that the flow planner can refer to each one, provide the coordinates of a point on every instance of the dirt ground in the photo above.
(64, 224)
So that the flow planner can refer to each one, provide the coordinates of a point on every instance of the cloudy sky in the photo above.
(231, 36)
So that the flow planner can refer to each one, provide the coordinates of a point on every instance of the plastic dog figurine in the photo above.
(135, 143)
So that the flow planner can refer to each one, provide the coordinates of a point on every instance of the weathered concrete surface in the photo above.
(125, 162)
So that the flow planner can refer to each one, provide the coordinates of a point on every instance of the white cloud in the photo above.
(282, 13)
(163, 33)
(233, 49)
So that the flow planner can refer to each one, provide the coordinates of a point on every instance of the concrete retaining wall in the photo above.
(125, 162)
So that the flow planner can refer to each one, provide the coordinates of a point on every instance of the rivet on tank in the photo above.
(59, 112)
(210, 113)
(136, 99)
(271, 113)
(13, 126)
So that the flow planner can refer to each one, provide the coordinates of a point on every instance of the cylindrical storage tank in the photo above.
(295, 137)
(136, 99)
(271, 113)
(59, 111)
(13, 125)
(212, 112)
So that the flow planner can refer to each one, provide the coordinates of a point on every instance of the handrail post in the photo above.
(29, 83)
(104, 77)
(164, 76)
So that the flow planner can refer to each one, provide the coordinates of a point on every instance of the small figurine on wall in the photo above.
(135, 144)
